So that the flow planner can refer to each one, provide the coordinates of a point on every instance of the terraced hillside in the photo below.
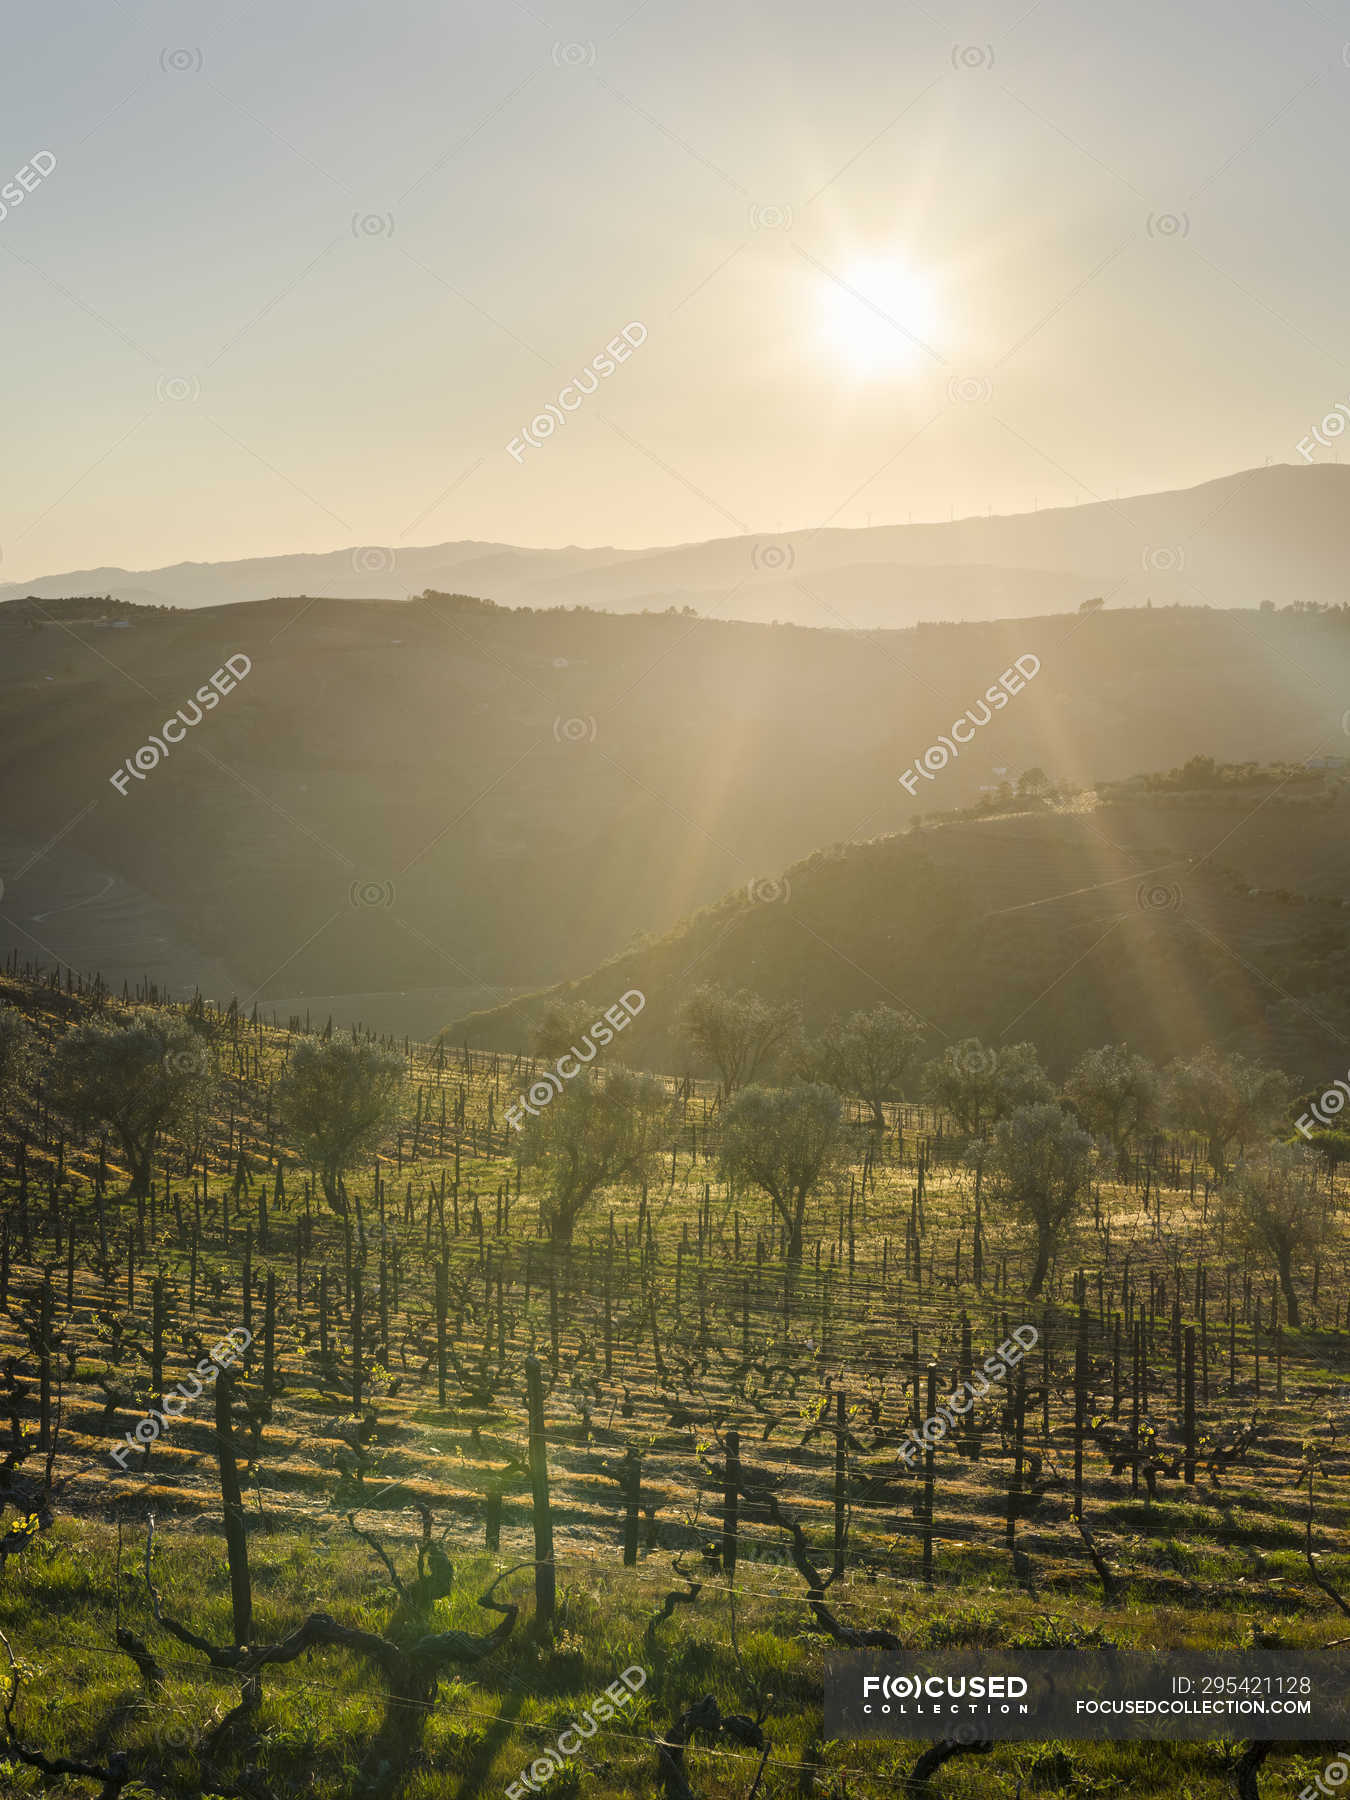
(1204, 907)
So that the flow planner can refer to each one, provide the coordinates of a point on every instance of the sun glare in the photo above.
(880, 315)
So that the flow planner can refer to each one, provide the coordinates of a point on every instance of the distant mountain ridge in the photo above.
(1262, 534)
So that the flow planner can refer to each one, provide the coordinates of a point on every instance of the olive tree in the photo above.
(1272, 1198)
(16, 1056)
(1229, 1101)
(560, 1025)
(1116, 1093)
(1332, 1146)
(599, 1131)
(139, 1079)
(738, 1033)
(870, 1054)
(979, 1085)
(781, 1140)
(337, 1099)
(1038, 1165)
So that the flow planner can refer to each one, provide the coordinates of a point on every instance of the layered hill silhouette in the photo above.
(440, 802)
(1262, 534)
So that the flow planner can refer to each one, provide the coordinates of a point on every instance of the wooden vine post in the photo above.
(232, 1500)
(840, 1482)
(442, 1307)
(731, 1503)
(632, 1504)
(545, 1575)
(929, 1455)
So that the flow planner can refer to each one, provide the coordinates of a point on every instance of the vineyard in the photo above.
(434, 1481)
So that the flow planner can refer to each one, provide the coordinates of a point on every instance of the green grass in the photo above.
(1209, 1567)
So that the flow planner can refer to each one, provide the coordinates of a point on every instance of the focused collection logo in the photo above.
(926, 1696)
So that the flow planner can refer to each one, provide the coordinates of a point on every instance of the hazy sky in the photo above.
(303, 272)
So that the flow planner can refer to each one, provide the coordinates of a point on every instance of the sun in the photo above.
(880, 315)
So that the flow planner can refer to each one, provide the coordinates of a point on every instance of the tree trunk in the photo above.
(563, 1212)
(141, 1158)
(1288, 1289)
(794, 1223)
(328, 1179)
(1038, 1274)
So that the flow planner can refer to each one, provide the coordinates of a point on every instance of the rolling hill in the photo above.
(1261, 534)
(1170, 919)
(433, 803)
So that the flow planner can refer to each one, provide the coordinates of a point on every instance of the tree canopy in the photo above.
(16, 1055)
(1228, 1100)
(138, 1078)
(781, 1140)
(600, 1130)
(1274, 1202)
(337, 1099)
(1116, 1093)
(738, 1033)
(870, 1054)
(979, 1084)
(1038, 1163)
